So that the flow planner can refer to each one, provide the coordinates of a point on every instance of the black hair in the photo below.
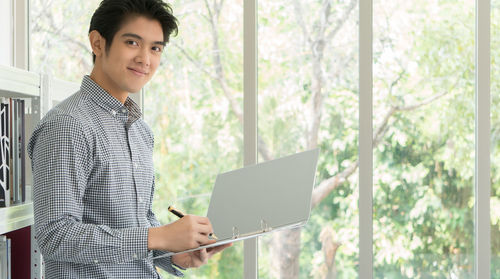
(111, 14)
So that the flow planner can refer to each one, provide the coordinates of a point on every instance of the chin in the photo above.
(134, 89)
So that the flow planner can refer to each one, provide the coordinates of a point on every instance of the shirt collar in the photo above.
(108, 102)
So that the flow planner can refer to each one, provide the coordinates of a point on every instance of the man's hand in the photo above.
(186, 233)
(197, 258)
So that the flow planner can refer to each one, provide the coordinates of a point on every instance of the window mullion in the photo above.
(482, 142)
(20, 9)
(250, 115)
(365, 139)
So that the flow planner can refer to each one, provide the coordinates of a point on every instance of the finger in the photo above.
(203, 220)
(204, 233)
(203, 229)
(195, 259)
(202, 239)
(204, 256)
(199, 258)
(214, 250)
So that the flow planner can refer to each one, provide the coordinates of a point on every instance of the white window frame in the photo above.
(482, 249)
(250, 77)
(365, 202)
(21, 34)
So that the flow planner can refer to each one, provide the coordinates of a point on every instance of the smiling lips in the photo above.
(138, 72)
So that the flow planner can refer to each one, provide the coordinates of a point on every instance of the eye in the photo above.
(132, 43)
(157, 49)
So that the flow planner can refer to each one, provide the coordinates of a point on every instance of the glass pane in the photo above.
(495, 139)
(308, 97)
(6, 29)
(423, 122)
(194, 105)
(59, 37)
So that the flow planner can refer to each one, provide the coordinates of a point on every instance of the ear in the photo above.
(97, 43)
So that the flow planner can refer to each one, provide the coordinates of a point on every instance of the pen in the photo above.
(179, 214)
(175, 212)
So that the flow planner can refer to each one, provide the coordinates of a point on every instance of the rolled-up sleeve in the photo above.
(62, 161)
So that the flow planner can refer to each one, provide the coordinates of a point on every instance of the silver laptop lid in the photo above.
(263, 197)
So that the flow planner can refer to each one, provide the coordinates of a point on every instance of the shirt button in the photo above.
(136, 166)
(124, 110)
(141, 200)
(96, 261)
(135, 256)
(113, 112)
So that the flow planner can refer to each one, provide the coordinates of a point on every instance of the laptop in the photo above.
(262, 198)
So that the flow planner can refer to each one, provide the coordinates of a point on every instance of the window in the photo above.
(423, 119)
(308, 97)
(194, 106)
(58, 32)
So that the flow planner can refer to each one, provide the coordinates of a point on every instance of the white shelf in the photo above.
(16, 217)
(18, 83)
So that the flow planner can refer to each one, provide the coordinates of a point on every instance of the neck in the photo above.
(106, 83)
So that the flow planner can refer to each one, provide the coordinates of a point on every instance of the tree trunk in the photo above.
(329, 247)
(290, 252)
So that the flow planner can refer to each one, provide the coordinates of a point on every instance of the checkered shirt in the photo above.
(93, 188)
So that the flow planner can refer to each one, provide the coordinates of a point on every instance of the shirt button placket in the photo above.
(134, 175)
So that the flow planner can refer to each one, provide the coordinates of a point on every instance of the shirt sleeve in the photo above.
(62, 161)
(166, 262)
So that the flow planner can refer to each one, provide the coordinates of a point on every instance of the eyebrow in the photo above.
(140, 38)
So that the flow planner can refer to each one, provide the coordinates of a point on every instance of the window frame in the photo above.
(21, 34)
(482, 172)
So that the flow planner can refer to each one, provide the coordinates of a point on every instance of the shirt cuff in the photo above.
(179, 267)
(167, 264)
(134, 243)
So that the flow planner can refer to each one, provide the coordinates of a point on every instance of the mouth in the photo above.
(137, 72)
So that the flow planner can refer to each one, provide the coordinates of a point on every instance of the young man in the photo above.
(92, 161)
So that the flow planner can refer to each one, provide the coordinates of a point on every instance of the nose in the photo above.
(143, 57)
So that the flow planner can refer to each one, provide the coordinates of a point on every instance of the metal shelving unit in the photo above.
(17, 83)
(16, 220)
(16, 217)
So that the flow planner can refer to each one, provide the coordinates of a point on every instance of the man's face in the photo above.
(134, 54)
